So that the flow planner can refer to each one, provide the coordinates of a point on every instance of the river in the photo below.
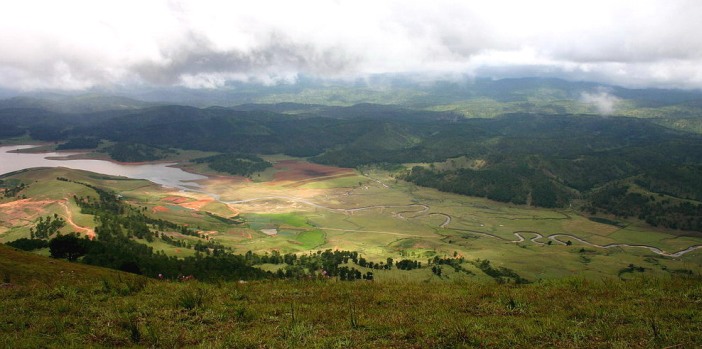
(160, 173)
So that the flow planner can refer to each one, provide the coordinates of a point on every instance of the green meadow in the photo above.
(377, 216)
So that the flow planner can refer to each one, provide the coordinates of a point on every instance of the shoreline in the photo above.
(154, 171)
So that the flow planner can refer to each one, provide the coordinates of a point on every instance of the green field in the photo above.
(379, 217)
(279, 218)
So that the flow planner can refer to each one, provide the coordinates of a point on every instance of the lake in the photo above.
(159, 173)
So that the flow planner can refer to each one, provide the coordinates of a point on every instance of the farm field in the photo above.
(306, 207)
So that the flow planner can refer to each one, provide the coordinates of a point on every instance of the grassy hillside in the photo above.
(51, 303)
(23, 268)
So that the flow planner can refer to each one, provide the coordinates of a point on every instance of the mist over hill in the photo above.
(380, 89)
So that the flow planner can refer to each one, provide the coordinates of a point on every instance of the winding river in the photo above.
(167, 175)
(423, 211)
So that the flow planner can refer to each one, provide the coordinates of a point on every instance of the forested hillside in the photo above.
(545, 159)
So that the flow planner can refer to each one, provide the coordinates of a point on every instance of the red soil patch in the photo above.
(294, 170)
(160, 209)
(197, 204)
(26, 210)
(176, 199)
(24, 203)
(22, 211)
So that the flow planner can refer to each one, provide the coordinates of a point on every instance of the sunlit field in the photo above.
(370, 212)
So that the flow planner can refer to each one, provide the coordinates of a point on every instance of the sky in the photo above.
(78, 45)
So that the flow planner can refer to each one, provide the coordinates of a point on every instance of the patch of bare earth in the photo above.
(196, 204)
(176, 199)
(300, 171)
(24, 211)
(157, 209)
(193, 204)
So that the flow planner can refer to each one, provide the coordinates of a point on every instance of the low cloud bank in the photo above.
(604, 102)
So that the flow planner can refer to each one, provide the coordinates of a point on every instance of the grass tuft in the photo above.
(192, 298)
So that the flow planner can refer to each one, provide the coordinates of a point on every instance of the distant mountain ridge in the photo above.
(307, 93)
(74, 104)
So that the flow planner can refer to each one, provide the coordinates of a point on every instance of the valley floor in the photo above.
(374, 214)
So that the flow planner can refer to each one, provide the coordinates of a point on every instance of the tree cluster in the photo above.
(13, 190)
(517, 185)
(119, 226)
(47, 226)
(28, 244)
(79, 143)
(235, 163)
(619, 200)
(136, 152)
(499, 274)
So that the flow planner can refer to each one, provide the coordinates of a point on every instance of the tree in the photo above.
(28, 244)
(68, 246)
(130, 267)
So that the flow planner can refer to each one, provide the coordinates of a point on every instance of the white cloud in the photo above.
(602, 100)
(76, 44)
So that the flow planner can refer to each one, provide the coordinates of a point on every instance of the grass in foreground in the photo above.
(51, 303)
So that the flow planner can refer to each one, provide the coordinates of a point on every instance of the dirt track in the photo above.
(90, 233)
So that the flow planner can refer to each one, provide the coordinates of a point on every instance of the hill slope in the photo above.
(93, 307)
(23, 268)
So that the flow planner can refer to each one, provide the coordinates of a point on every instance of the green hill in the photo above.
(51, 303)
(23, 268)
